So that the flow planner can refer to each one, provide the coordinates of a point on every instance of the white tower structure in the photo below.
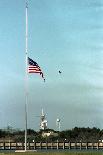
(43, 123)
(58, 124)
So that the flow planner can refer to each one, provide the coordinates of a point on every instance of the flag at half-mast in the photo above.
(33, 67)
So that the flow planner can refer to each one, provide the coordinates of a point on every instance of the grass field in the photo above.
(55, 153)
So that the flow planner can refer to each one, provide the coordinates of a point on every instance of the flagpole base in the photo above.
(25, 151)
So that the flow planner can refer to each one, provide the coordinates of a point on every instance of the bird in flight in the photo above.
(60, 72)
(44, 80)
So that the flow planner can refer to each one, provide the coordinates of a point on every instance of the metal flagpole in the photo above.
(26, 75)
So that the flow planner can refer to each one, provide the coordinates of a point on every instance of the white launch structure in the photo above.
(43, 123)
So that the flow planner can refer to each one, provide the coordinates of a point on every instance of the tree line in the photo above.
(76, 134)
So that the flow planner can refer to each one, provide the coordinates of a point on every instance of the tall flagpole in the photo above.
(26, 75)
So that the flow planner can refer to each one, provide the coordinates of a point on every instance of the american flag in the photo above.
(33, 67)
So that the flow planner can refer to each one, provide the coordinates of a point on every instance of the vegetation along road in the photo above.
(55, 153)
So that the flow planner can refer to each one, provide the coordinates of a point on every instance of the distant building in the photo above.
(48, 133)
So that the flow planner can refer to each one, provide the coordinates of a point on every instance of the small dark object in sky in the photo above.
(44, 80)
(60, 72)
